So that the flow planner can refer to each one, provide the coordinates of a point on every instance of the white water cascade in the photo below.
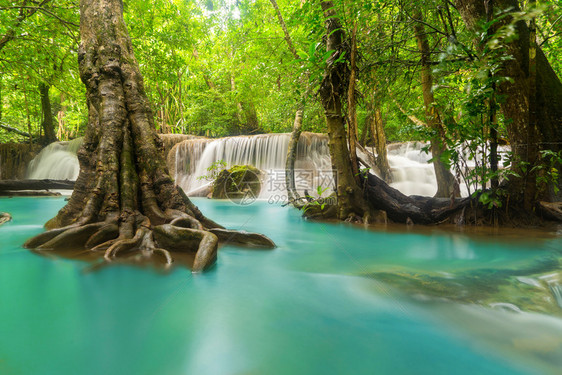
(412, 173)
(268, 152)
(190, 159)
(57, 161)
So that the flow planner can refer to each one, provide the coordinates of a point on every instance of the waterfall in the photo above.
(190, 157)
(57, 161)
(267, 152)
(412, 173)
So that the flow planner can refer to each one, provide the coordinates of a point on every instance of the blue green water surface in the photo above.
(302, 308)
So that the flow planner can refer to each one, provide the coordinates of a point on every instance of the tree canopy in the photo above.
(222, 67)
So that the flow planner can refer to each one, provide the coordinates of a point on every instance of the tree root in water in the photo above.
(181, 234)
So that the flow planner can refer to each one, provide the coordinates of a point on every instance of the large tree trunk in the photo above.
(47, 124)
(124, 199)
(526, 138)
(332, 88)
(445, 179)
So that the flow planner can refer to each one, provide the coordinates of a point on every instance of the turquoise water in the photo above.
(314, 305)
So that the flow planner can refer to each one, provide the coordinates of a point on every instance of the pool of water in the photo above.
(331, 299)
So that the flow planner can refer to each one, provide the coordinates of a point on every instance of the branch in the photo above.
(10, 34)
(14, 130)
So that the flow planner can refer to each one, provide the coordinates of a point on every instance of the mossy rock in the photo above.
(240, 182)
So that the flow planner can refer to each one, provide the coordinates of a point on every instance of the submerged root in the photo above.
(182, 234)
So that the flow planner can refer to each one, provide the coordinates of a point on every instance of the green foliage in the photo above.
(214, 170)
(222, 67)
(548, 170)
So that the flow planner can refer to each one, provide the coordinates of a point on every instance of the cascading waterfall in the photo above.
(57, 161)
(412, 173)
(189, 159)
(267, 152)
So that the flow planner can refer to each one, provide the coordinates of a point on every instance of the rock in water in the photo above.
(239, 183)
(4, 217)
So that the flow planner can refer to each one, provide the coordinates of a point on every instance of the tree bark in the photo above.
(124, 199)
(352, 106)
(379, 140)
(349, 194)
(14, 185)
(292, 194)
(526, 138)
(445, 179)
(47, 124)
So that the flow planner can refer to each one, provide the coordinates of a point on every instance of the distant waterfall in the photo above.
(57, 161)
(267, 152)
(189, 157)
(412, 173)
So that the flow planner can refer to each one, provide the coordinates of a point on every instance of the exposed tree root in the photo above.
(182, 233)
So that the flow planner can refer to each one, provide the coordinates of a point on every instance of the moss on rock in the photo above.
(240, 182)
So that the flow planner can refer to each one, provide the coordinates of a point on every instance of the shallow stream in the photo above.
(331, 299)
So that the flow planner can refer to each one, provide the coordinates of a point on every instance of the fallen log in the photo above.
(17, 185)
(14, 130)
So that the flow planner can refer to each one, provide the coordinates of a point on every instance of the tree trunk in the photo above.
(352, 107)
(379, 140)
(47, 124)
(526, 138)
(445, 179)
(292, 193)
(333, 87)
(124, 199)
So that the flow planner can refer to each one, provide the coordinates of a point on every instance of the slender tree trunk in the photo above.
(124, 199)
(375, 128)
(379, 138)
(352, 107)
(445, 179)
(62, 132)
(332, 88)
(292, 193)
(47, 123)
(27, 115)
(528, 133)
